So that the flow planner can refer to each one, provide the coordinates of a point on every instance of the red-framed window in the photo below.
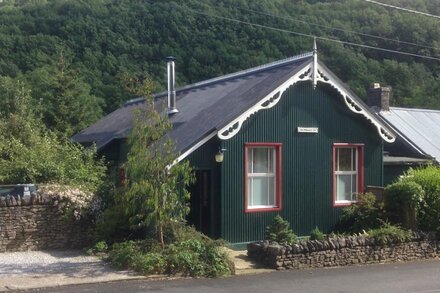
(262, 174)
(348, 173)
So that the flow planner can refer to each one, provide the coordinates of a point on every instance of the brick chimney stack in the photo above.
(379, 97)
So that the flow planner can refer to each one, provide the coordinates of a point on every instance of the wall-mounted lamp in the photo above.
(219, 156)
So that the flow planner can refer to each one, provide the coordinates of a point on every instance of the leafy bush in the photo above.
(191, 257)
(316, 234)
(123, 255)
(99, 247)
(402, 202)
(365, 214)
(112, 224)
(181, 259)
(178, 231)
(149, 263)
(429, 180)
(197, 258)
(280, 231)
(390, 234)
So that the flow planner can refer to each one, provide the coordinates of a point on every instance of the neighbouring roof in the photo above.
(418, 128)
(220, 105)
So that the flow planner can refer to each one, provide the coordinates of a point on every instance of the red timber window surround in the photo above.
(348, 173)
(262, 177)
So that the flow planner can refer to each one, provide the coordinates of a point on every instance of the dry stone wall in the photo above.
(37, 222)
(340, 251)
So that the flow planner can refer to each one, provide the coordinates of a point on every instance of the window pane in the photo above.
(354, 188)
(259, 191)
(260, 160)
(250, 158)
(249, 192)
(343, 187)
(270, 154)
(271, 191)
(345, 159)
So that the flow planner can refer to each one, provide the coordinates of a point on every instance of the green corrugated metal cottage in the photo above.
(293, 140)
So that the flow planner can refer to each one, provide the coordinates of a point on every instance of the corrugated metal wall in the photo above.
(307, 161)
(393, 172)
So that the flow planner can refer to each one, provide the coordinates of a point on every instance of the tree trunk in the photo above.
(162, 243)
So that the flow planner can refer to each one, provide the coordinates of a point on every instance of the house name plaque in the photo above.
(307, 129)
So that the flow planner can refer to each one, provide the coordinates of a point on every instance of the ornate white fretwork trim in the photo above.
(311, 72)
(354, 105)
(268, 102)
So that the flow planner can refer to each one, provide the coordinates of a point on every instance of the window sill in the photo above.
(262, 209)
(344, 203)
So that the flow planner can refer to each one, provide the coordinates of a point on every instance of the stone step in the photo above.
(243, 264)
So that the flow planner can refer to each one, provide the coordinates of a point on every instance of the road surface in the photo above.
(417, 277)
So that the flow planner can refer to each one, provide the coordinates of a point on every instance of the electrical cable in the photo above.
(336, 29)
(401, 8)
(309, 36)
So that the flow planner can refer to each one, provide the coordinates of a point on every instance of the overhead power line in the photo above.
(335, 29)
(308, 35)
(404, 9)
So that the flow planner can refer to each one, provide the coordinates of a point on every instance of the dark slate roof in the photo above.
(203, 107)
(419, 128)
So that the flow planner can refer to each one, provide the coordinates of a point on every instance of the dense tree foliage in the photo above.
(72, 53)
(30, 153)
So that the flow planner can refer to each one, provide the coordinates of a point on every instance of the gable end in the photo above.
(317, 73)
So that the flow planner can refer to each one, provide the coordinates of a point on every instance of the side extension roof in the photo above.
(419, 129)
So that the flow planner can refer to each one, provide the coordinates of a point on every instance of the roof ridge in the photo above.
(229, 76)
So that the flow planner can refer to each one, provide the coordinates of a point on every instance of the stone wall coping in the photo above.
(329, 243)
(35, 198)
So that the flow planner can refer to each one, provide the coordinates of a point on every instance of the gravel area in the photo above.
(35, 269)
(40, 262)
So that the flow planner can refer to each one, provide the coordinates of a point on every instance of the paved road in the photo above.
(418, 277)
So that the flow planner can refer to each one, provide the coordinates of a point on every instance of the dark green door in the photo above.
(200, 202)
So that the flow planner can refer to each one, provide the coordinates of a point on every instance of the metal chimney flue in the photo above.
(172, 109)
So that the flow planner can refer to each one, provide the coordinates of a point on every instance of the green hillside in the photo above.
(73, 54)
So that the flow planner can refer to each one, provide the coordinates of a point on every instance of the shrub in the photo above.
(99, 247)
(185, 262)
(316, 234)
(178, 231)
(113, 225)
(402, 202)
(219, 262)
(197, 258)
(123, 255)
(280, 231)
(149, 263)
(390, 234)
(365, 214)
(429, 179)
(32, 153)
(191, 257)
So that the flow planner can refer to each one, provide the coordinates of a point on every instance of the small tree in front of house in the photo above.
(155, 192)
(280, 231)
